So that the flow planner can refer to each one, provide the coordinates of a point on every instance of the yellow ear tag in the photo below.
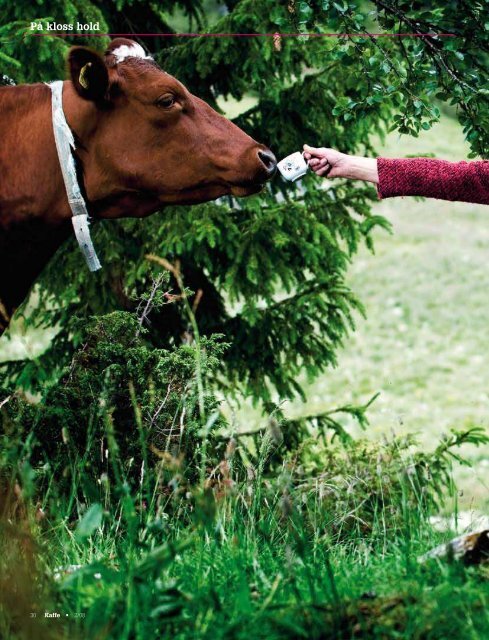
(82, 79)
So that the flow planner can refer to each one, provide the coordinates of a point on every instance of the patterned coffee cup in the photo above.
(293, 167)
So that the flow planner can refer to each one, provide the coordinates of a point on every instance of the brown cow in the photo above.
(142, 141)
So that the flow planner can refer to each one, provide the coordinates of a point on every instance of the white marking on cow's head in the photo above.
(133, 51)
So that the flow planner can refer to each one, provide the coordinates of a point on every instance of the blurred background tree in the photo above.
(267, 272)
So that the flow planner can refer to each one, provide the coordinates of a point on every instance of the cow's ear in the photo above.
(88, 73)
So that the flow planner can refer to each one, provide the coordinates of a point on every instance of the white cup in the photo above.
(293, 167)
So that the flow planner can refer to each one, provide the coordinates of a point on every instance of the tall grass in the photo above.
(145, 522)
(256, 558)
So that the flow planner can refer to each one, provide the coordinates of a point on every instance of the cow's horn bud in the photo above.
(82, 78)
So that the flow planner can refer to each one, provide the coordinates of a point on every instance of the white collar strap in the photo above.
(64, 144)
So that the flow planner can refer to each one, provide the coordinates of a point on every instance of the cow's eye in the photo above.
(166, 101)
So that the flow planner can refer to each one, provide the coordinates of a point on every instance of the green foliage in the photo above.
(91, 521)
(118, 392)
(271, 268)
(371, 490)
(327, 540)
(124, 412)
(410, 73)
(160, 522)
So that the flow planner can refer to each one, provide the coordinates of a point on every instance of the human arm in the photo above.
(429, 177)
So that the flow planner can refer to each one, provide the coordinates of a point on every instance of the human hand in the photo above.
(326, 162)
(334, 164)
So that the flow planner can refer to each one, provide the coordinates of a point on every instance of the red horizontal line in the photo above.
(246, 35)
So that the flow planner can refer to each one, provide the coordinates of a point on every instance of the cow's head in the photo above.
(143, 133)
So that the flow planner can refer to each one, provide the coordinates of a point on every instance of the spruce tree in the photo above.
(268, 272)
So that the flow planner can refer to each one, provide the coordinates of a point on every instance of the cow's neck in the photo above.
(35, 218)
(34, 213)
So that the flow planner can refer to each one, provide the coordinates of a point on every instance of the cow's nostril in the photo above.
(268, 160)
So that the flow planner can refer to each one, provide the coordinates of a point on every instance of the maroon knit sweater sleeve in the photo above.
(464, 181)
